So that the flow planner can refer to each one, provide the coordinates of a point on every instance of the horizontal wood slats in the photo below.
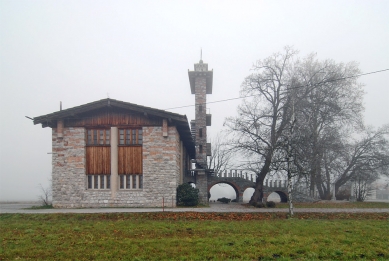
(130, 160)
(98, 160)
(113, 119)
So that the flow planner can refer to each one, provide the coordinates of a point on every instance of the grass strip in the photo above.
(337, 204)
(194, 236)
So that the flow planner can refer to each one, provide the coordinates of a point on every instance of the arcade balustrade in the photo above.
(272, 183)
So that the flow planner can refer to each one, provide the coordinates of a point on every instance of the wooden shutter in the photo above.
(130, 160)
(98, 160)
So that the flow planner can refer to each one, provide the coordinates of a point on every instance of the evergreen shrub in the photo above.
(258, 205)
(270, 204)
(224, 200)
(187, 195)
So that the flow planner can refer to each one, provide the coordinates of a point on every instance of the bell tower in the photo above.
(201, 84)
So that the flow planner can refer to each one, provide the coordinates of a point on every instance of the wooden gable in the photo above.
(107, 117)
(109, 112)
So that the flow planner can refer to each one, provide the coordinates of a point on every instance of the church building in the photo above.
(111, 153)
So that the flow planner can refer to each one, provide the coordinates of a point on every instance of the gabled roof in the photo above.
(178, 120)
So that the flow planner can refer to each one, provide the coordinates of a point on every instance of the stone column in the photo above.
(202, 185)
(114, 161)
(240, 199)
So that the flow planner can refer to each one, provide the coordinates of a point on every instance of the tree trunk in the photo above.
(258, 190)
(290, 195)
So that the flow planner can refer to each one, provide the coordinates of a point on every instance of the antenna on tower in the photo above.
(201, 54)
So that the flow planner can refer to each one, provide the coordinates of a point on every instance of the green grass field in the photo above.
(337, 204)
(194, 236)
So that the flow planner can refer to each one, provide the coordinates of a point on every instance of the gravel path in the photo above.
(214, 207)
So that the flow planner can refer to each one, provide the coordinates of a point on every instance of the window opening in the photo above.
(90, 177)
(133, 136)
(96, 183)
(140, 181)
(128, 137)
(128, 184)
(101, 139)
(108, 181)
(94, 136)
(121, 137)
(107, 136)
(134, 181)
(102, 181)
(121, 181)
(98, 137)
(140, 137)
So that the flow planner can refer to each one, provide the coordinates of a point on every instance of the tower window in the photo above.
(201, 132)
(200, 108)
(201, 149)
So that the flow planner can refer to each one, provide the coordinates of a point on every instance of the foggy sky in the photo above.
(140, 51)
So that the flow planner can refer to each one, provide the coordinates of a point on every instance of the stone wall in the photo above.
(68, 162)
(161, 168)
(161, 172)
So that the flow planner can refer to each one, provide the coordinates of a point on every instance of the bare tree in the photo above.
(45, 197)
(263, 117)
(220, 159)
(325, 102)
(364, 160)
(362, 185)
(330, 105)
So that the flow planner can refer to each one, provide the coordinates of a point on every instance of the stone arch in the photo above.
(232, 184)
(282, 194)
(244, 190)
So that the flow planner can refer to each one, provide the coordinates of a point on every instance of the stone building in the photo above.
(114, 153)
